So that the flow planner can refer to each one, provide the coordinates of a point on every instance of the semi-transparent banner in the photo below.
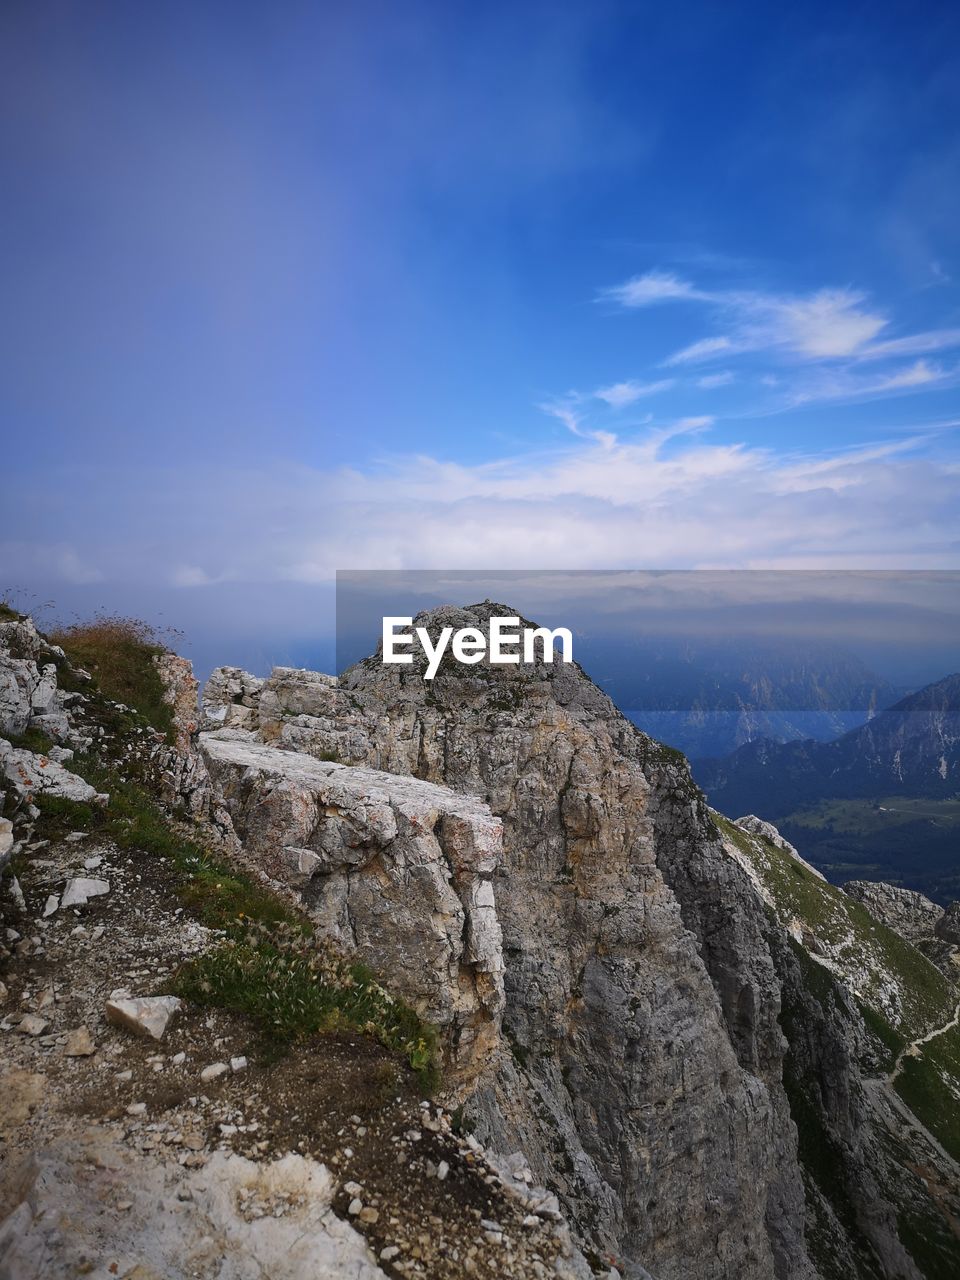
(704, 660)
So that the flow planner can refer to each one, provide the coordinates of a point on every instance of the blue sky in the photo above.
(292, 288)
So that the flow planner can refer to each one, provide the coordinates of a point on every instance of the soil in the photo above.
(419, 1191)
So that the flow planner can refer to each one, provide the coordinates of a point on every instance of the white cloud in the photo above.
(848, 384)
(669, 498)
(188, 575)
(50, 561)
(651, 288)
(622, 394)
(712, 380)
(566, 410)
(831, 322)
(705, 349)
(915, 345)
(917, 375)
(828, 324)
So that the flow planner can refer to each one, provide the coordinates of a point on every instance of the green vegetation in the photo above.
(865, 817)
(269, 965)
(32, 740)
(930, 1084)
(292, 986)
(119, 653)
(7, 612)
(872, 958)
(905, 840)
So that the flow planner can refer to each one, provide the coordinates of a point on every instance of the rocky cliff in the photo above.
(663, 1034)
(664, 1028)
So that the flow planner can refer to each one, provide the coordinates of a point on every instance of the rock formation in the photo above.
(665, 1027)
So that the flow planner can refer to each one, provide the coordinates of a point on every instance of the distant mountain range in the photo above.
(707, 697)
(884, 796)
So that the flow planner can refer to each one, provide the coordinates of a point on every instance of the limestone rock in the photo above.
(92, 1191)
(145, 1015)
(908, 913)
(948, 926)
(79, 1044)
(32, 774)
(29, 692)
(397, 870)
(633, 1043)
(758, 827)
(80, 889)
(31, 1024)
(6, 840)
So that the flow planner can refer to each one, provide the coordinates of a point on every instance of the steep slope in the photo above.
(871, 1070)
(659, 1016)
(193, 1080)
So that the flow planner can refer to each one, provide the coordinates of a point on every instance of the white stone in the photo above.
(80, 889)
(145, 1015)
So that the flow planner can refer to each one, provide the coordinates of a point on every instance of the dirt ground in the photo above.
(424, 1197)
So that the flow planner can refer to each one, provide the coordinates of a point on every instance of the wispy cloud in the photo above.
(851, 384)
(915, 345)
(809, 347)
(704, 349)
(670, 497)
(826, 324)
(651, 288)
(566, 410)
(622, 394)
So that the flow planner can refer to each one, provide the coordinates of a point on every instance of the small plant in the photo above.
(31, 740)
(294, 985)
(270, 966)
(119, 653)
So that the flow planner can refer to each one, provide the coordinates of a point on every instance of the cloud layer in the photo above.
(672, 498)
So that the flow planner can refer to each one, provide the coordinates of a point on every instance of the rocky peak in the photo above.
(611, 1007)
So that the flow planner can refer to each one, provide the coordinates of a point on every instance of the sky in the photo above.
(294, 288)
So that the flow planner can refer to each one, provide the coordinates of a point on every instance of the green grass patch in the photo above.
(868, 817)
(873, 954)
(269, 967)
(927, 1085)
(31, 740)
(119, 653)
(292, 986)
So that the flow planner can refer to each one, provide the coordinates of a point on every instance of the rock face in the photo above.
(29, 694)
(394, 870)
(640, 1068)
(910, 914)
(932, 929)
(758, 827)
(92, 1196)
(32, 774)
